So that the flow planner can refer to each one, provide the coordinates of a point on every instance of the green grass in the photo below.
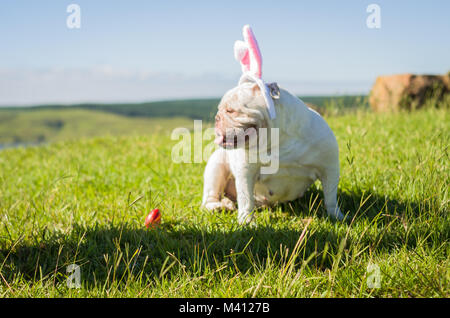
(84, 202)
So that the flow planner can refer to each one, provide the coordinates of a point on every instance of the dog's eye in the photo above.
(229, 110)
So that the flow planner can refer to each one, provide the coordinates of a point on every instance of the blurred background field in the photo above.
(48, 123)
(24, 127)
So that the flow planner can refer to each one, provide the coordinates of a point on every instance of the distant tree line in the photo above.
(203, 109)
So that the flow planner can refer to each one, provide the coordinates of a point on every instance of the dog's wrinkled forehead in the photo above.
(245, 94)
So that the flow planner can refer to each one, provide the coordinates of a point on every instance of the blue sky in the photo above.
(153, 50)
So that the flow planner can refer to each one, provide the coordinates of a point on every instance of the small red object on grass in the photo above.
(153, 218)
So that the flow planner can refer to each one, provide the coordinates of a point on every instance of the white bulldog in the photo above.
(306, 147)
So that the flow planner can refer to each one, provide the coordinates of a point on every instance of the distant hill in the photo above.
(204, 109)
(39, 125)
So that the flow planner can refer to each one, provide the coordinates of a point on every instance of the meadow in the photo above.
(38, 126)
(84, 200)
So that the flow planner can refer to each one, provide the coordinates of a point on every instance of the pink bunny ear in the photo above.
(241, 55)
(248, 54)
(255, 55)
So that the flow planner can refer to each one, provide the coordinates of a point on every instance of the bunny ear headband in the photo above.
(248, 54)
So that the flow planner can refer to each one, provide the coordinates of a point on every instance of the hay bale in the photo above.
(407, 91)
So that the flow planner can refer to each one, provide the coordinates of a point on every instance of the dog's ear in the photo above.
(256, 90)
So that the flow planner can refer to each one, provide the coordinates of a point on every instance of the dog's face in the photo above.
(241, 112)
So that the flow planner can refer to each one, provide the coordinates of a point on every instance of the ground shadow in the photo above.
(356, 206)
(97, 248)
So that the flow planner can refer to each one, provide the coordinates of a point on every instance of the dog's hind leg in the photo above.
(217, 177)
(330, 181)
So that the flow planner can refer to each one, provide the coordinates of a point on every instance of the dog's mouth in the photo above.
(231, 141)
(226, 141)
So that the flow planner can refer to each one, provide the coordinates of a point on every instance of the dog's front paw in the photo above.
(228, 204)
(245, 218)
(212, 206)
(224, 204)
